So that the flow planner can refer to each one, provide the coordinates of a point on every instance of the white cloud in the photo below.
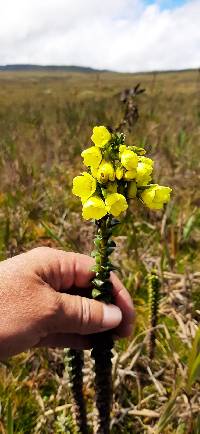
(124, 35)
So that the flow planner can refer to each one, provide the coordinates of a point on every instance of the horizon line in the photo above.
(24, 66)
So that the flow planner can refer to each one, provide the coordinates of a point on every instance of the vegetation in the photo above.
(45, 123)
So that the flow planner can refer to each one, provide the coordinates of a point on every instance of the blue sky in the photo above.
(121, 35)
(167, 4)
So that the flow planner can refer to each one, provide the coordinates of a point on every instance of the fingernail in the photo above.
(112, 316)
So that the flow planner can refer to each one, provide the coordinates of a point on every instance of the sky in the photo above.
(121, 35)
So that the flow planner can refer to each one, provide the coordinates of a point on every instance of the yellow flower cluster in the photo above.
(116, 172)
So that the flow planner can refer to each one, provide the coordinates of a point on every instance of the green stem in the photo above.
(103, 342)
(74, 361)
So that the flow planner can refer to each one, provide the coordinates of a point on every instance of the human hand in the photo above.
(43, 302)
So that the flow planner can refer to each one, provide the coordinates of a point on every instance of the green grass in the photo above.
(45, 122)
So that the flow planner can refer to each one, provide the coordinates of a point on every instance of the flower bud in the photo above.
(122, 148)
(119, 172)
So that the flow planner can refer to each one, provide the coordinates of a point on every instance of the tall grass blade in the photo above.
(194, 360)
(167, 414)
(10, 421)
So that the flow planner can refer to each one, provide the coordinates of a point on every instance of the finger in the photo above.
(76, 272)
(65, 270)
(75, 314)
(62, 270)
(62, 340)
(75, 269)
(124, 302)
(80, 276)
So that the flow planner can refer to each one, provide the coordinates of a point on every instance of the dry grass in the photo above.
(45, 121)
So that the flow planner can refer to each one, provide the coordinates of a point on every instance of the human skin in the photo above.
(44, 302)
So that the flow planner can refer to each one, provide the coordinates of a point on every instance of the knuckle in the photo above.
(40, 249)
(53, 309)
(85, 314)
(38, 253)
(43, 250)
(56, 305)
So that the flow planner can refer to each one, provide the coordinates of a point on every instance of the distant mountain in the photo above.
(70, 68)
(74, 68)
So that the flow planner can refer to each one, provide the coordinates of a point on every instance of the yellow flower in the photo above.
(144, 172)
(84, 186)
(155, 196)
(122, 148)
(94, 208)
(132, 190)
(92, 156)
(100, 136)
(105, 172)
(119, 172)
(147, 161)
(129, 159)
(94, 171)
(144, 181)
(116, 204)
(130, 174)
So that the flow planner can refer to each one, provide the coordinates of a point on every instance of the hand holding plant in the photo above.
(116, 174)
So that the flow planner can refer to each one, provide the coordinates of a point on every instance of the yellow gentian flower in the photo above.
(92, 156)
(94, 208)
(129, 159)
(100, 136)
(105, 172)
(116, 204)
(155, 196)
(84, 186)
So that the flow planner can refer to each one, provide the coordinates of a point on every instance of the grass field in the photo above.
(45, 122)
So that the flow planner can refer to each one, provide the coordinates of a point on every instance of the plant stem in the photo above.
(74, 360)
(103, 342)
(102, 354)
(154, 298)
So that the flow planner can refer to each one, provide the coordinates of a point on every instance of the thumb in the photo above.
(82, 315)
